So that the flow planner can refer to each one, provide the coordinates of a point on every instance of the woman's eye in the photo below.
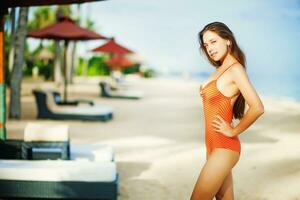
(213, 41)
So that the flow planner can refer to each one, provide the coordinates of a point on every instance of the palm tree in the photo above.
(12, 38)
(16, 78)
(42, 17)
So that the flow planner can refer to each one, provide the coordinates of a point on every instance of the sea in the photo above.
(279, 86)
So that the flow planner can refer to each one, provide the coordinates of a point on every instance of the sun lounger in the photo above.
(10, 149)
(113, 85)
(48, 109)
(51, 141)
(90, 174)
(58, 179)
(44, 141)
(118, 81)
(123, 94)
(58, 100)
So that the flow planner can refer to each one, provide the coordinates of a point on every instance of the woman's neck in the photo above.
(228, 60)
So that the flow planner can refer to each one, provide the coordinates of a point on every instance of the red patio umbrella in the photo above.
(112, 47)
(3, 11)
(116, 52)
(66, 29)
(118, 62)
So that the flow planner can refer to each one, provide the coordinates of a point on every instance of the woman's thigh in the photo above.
(214, 172)
(226, 190)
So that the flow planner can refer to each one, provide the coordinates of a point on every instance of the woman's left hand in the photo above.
(223, 127)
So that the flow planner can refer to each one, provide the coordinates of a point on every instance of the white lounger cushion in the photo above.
(79, 110)
(124, 93)
(58, 170)
(46, 132)
(92, 152)
(92, 110)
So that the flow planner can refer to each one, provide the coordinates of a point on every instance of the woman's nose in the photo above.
(209, 49)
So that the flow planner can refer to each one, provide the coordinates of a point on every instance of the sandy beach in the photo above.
(159, 140)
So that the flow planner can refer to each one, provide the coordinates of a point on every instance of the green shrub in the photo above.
(132, 69)
(148, 73)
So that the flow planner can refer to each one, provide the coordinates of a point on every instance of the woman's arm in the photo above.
(255, 110)
(256, 107)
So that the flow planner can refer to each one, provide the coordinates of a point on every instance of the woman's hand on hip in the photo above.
(222, 126)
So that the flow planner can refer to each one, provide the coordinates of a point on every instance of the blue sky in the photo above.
(165, 32)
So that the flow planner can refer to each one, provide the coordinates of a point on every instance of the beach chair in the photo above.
(48, 109)
(40, 141)
(118, 81)
(58, 100)
(117, 86)
(10, 149)
(59, 179)
(90, 174)
(105, 91)
(43, 141)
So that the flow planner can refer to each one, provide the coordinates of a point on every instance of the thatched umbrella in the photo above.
(45, 55)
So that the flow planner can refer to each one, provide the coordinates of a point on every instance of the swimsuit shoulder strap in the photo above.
(225, 70)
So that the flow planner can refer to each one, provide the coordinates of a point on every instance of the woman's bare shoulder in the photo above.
(237, 69)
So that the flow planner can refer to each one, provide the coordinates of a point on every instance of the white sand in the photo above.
(159, 146)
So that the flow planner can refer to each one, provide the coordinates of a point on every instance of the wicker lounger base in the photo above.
(119, 97)
(104, 92)
(45, 113)
(78, 117)
(13, 189)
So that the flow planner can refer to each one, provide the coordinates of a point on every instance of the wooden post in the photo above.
(65, 72)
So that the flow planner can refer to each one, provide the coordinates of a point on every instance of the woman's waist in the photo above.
(210, 133)
(210, 117)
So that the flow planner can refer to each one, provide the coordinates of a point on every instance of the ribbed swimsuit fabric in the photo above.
(216, 103)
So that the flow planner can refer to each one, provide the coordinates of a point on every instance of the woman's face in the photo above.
(215, 46)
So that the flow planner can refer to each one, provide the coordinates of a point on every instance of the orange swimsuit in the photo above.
(215, 103)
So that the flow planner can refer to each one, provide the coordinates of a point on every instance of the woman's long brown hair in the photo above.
(224, 32)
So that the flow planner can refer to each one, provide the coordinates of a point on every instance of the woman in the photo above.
(224, 96)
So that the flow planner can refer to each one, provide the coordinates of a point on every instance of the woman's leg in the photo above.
(216, 169)
(226, 190)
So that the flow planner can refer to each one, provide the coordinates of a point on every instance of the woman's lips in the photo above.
(213, 54)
